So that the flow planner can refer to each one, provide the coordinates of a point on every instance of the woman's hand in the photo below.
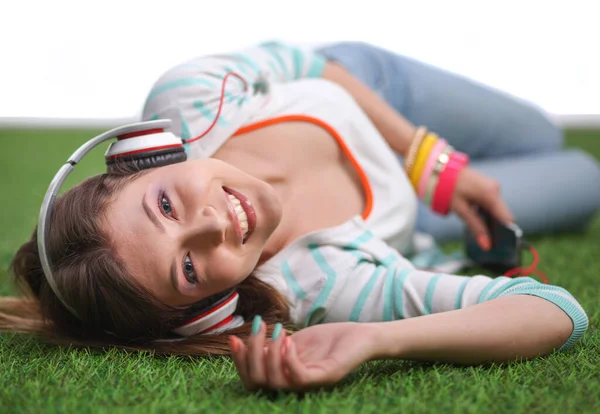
(475, 189)
(316, 356)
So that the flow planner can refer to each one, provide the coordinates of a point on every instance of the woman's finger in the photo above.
(485, 192)
(239, 356)
(473, 222)
(275, 376)
(257, 375)
(500, 210)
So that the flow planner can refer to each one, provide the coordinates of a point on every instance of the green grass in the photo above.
(39, 378)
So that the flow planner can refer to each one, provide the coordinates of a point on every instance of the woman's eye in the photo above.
(188, 270)
(165, 206)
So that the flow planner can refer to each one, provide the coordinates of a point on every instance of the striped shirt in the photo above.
(346, 273)
(189, 94)
(352, 272)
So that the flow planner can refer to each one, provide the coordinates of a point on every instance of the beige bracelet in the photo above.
(414, 147)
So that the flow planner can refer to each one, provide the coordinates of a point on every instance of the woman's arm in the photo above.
(396, 129)
(472, 188)
(504, 329)
(404, 313)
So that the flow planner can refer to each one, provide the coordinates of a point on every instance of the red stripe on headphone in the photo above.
(140, 133)
(220, 324)
(232, 297)
(145, 150)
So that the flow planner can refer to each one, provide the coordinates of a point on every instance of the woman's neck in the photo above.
(316, 184)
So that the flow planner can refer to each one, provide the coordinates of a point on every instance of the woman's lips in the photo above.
(234, 219)
(248, 209)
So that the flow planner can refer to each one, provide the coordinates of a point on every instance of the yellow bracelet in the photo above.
(414, 146)
(422, 154)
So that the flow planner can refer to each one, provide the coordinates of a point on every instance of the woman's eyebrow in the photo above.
(151, 214)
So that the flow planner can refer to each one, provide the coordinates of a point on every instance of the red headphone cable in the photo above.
(221, 99)
(531, 269)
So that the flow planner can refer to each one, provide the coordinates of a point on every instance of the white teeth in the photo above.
(234, 200)
(241, 214)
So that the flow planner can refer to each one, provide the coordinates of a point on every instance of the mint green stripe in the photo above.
(230, 97)
(329, 283)
(491, 285)
(235, 59)
(290, 279)
(360, 240)
(298, 58)
(388, 295)
(270, 48)
(459, 294)
(399, 291)
(428, 306)
(364, 295)
(185, 129)
(241, 68)
(389, 259)
(255, 67)
(533, 284)
(178, 84)
(273, 67)
(510, 284)
(208, 114)
(358, 254)
(317, 67)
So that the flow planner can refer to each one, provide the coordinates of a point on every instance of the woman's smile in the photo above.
(242, 212)
(209, 232)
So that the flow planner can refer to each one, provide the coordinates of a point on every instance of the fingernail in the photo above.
(276, 331)
(256, 324)
(288, 344)
(484, 242)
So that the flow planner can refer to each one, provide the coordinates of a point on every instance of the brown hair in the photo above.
(114, 310)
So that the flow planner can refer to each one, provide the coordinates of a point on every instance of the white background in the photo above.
(96, 60)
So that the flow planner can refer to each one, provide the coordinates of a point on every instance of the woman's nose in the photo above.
(207, 228)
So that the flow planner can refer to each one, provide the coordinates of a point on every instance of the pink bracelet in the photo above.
(442, 199)
(431, 160)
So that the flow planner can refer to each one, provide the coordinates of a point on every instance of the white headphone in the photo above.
(144, 145)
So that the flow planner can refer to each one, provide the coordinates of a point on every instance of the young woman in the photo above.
(294, 197)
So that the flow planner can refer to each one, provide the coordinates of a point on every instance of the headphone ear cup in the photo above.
(141, 146)
(211, 315)
(142, 161)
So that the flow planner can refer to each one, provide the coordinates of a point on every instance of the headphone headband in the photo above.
(61, 176)
(141, 140)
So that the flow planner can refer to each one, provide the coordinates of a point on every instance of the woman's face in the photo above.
(192, 229)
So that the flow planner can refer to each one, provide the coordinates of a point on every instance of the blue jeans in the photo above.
(547, 188)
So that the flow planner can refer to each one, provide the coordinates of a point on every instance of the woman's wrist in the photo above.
(432, 167)
(386, 343)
